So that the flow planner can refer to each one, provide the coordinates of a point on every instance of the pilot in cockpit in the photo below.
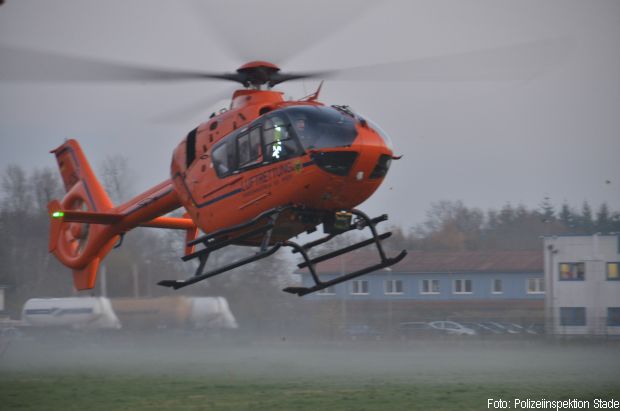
(300, 125)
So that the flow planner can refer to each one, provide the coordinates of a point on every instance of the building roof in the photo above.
(442, 261)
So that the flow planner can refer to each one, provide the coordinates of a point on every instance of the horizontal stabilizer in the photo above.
(88, 217)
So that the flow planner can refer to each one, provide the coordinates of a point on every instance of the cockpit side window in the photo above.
(243, 148)
(249, 147)
(190, 148)
(280, 144)
(255, 144)
(268, 140)
(224, 157)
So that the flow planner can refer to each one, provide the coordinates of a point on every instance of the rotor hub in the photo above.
(258, 73)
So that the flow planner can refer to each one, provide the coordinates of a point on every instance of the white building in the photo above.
(582, 279)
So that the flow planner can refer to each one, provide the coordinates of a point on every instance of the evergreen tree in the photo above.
(547, 212)
(586, 222)
(506, 215)
(603, 220)
(566, 216)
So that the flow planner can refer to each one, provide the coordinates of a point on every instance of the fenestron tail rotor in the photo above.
(76, 234)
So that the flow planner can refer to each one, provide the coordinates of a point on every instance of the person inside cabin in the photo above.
(300, 124)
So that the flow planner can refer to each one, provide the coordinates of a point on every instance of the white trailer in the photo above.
(212, 312)
(73, 312)
(174, 312)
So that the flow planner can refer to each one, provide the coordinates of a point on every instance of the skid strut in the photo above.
(362, 221)
(225, 237)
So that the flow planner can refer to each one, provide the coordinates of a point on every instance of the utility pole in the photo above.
(134, 273)
(104, 280)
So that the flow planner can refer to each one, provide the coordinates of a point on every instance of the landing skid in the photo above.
(264, 224)
(362, 221)
(229, 236)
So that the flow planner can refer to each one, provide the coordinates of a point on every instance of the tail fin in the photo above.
(75, 169)
(79, 245)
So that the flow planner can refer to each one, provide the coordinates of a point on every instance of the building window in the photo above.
(359, 287)
(572, 271)
(613, 316)
(331, 290)
(497, 286)
(429, 287)
(535, 285)
(613, 271)
(461, 286)
(573, 316)
(393, 286)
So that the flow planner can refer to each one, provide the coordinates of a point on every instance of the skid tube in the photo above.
(362, 221)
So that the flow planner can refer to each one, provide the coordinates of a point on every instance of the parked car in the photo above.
(481, 328)
(452, 327)
(514, 328)
(495, 326)
(535, 329)
(361, 332)
(416, 329)
(508, 328)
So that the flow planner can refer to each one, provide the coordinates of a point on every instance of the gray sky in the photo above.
(556, 133)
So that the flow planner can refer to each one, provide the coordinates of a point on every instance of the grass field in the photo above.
(194, 374)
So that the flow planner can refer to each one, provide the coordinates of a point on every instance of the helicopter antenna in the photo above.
(314, 96)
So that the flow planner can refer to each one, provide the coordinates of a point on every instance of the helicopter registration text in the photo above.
(269, 177)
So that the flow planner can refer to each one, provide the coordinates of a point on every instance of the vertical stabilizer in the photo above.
(79, 245)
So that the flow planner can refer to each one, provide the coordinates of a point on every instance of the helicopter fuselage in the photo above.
(256, 174)
(266, 152)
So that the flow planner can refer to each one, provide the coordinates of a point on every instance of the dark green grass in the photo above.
(127, 373)
(93, 393)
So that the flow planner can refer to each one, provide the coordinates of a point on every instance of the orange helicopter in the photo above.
(257, 174)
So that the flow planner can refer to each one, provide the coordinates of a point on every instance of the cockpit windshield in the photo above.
(385, 136)
(382, 133)
(281, 135)
(321, 127)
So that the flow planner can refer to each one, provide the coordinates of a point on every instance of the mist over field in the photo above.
(449, 359)
(443, 360)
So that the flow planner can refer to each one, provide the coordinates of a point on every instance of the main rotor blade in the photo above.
(521, 61)
(515, 62)
(197, 110)
(276, 30)
(25, 65)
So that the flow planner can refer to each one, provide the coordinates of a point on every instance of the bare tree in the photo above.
(46, 186)
(16, 191)
(117, 178)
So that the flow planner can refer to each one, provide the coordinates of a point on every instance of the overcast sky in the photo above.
(501, 138)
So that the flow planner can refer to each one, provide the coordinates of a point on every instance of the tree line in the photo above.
(452, 226)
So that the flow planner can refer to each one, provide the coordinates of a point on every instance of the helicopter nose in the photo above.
(375, 157)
